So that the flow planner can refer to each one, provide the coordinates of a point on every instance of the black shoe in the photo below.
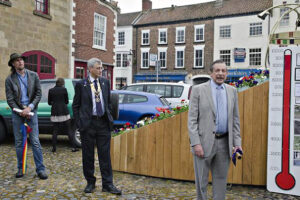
(75, 149)
(89, 188)
(53, 149)
(112, 189)
(19, 174)
(42, 175)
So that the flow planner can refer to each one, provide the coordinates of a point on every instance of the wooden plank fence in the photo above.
(162, 149)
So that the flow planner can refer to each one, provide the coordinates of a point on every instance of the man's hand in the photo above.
(198, 150)
(236, 148)
(25, 112)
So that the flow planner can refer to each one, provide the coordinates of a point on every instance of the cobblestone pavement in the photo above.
(67, 182)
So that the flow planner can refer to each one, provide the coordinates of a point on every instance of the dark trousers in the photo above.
(57, 126)
(98, 133)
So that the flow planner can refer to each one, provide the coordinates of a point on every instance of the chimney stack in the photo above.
(146, 5)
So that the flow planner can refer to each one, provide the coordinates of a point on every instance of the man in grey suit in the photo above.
(23, 91)
(214, 130)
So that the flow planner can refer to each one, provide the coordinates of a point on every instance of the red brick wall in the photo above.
(84, 27)
(189, 46)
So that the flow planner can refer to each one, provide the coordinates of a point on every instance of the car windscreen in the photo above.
(45, 86)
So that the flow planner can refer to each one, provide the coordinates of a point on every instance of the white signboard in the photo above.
(153, 59)
(283, 166)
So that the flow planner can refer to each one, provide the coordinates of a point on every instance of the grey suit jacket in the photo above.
(13, 90)
(202, 118)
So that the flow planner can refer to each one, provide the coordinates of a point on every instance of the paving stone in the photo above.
(66, 180)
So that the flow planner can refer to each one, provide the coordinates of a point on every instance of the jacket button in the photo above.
(214, 132)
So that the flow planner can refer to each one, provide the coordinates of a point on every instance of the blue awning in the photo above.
(161, 77)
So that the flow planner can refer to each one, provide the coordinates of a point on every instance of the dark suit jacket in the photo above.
(13, 90)
(83, 104)
(58, 98)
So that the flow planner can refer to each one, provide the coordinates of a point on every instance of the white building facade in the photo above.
(288, 22)
(123, 57)
(241, 42)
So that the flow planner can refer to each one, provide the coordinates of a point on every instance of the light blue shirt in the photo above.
(221, 106)
(23, 81)
(93, 97)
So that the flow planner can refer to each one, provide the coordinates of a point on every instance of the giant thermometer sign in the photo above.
(283, 172)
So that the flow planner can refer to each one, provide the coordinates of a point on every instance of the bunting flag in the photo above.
(25, 129)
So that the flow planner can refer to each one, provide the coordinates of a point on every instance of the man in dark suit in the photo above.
(23, 91)
(92, 114)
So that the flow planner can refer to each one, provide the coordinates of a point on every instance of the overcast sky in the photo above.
(136, 5)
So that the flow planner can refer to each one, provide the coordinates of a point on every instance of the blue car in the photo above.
(135, 106)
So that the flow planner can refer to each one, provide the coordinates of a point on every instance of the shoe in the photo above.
(42, 175)
(19, 174)
(75, 149)
(111, 189)
(53, 149)
(89, 188)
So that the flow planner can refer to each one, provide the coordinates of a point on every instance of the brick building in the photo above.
(180, 36)
(38, 29)
(94, 34)
(186, 40)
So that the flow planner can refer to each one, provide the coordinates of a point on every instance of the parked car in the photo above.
(135, 106)
(173, 92)
(44, 111)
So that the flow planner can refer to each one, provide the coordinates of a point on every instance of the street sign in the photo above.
(153, 59)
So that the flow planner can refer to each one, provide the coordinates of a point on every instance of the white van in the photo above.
(173, 92)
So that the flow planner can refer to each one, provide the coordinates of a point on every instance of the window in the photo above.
(255, 28)
(132, 98)
(42, 6)
(198, 56)
(225, 56)
(225, 31)
(45, 87)
(120, 82)
(255, 57)
(121, 37)
(124, 60)
(162, 35)
(163, 90)
(162, 57)
(199, 33)
(179, 57)
(145, 37)
(177, 91)
(138, 88)
(121, 60)
(80, 72)
(40, 62)
(285, 20)
(145, 58)
(99, 31)
(180, 34)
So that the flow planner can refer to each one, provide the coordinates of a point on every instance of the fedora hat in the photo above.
(13, 57)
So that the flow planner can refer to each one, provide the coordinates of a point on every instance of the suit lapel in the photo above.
(229, 103)
(103, 89)
(88, 88)
(210, 99)
(16, 81)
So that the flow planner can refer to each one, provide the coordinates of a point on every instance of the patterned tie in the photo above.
(98, 104)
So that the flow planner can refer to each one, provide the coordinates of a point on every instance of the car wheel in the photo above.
(75, 136)
(2, 132)
(114, 99)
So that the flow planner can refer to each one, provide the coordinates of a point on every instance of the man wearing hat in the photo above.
(23, 91)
